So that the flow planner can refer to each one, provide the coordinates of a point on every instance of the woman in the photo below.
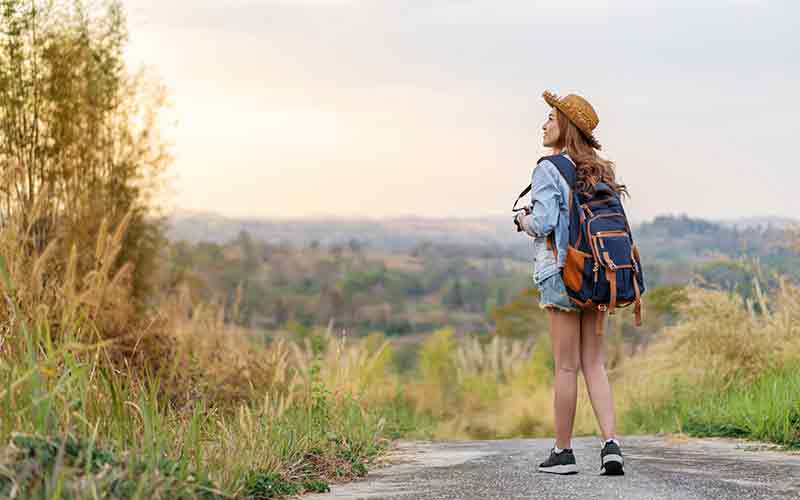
(569, 131)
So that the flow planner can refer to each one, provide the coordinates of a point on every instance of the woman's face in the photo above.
(551, 131)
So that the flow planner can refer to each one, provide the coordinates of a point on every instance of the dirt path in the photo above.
(657, 468)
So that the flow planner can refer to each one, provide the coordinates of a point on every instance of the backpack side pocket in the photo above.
(577, 269)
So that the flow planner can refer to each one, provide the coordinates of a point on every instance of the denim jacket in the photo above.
(550, 213)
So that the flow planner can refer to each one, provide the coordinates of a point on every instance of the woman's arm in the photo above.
(546, 199)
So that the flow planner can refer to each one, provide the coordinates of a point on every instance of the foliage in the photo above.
(33, 461)
(519, 318)
(765, 409)
(435, 286)
(278, 285)
(97, 426)
(728, 367)
(670, 237)
(79, 140)
(438, 373)
(107, 388)
(264, 485)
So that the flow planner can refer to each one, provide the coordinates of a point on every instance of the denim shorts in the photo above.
(553, 294)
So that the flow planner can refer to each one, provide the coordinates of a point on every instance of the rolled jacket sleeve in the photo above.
(546, 199)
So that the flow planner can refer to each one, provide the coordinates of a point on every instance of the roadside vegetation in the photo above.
(113, 385)
(729, 368)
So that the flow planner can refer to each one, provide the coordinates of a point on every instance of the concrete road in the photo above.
(656, 468)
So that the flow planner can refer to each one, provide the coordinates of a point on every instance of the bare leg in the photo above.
(565, 337)
(592, 353)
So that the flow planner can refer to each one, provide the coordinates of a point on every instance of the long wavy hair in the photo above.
(592, 168)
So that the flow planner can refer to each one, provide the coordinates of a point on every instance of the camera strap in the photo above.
(523, 193)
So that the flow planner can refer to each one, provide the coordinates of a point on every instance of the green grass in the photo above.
(72, 425)
(767, 409)
(78, 422)
(402, 420)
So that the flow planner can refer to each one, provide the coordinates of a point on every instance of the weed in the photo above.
(263, 485)
(316, 486)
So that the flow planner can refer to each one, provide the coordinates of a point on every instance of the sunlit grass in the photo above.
(187, 405)
(729, 368)
(767, 409)
(207, 411)
(57, 394)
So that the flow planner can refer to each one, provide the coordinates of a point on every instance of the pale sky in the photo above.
(424, 107)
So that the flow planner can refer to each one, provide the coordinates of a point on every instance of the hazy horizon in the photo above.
(179, 212)
(315, 108)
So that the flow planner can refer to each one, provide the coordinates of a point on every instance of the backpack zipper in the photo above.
(593, 239)
(612, 233)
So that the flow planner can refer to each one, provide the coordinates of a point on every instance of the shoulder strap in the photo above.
(565, 167)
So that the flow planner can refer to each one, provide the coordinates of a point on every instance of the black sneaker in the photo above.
(611, 460)
(560, 463)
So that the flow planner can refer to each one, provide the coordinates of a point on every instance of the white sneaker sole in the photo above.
(612, 466)
(560, 469)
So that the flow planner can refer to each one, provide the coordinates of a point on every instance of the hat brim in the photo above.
(554, 101)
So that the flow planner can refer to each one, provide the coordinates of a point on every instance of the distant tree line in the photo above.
(268, 285)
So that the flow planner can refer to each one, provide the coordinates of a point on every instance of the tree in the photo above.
(354, 245)
(454, 296)
(249, 251)
(79, 142)
(521, 318)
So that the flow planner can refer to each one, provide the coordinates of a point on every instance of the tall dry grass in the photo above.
(724, 338)
(176, 401)
(179, 402)
(42, 287)
(724, 344)
(495, 389)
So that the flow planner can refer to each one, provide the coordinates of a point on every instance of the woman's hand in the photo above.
(518, 220)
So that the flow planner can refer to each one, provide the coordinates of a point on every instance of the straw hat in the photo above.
(579, 111)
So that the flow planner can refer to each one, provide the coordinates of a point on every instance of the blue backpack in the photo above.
(603, 270)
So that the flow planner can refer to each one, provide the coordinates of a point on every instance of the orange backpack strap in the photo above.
(599, 322)
(637, 308)
(611, 276)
